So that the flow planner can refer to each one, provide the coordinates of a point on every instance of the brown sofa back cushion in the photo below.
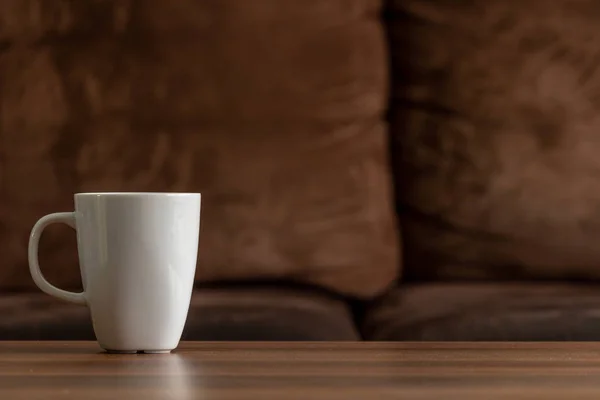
(496, 121)
(273, 109)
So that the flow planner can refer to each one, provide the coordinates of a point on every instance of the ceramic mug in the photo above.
(137, 256)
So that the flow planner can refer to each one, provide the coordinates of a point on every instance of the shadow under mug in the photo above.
(137, 256)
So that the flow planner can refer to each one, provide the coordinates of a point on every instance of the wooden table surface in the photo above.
(79, 370)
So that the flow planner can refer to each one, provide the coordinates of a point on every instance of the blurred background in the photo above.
(370, 169)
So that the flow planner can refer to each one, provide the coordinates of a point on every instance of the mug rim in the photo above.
(114, 194)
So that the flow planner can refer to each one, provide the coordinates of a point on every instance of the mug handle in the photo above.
(67, 218)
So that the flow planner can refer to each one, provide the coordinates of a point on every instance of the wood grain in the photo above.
(80, 370)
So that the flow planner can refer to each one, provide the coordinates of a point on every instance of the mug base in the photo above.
(120, 351)
(109, 351)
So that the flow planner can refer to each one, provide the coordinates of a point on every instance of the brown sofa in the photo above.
(378, 170)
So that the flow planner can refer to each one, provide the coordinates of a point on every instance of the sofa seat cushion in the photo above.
(215, 314)
(494, 312)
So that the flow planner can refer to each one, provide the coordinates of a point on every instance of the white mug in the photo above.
(137, 256)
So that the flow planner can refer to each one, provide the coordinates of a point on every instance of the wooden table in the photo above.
(79, 370)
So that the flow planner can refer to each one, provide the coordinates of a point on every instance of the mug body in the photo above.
(137, 253)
